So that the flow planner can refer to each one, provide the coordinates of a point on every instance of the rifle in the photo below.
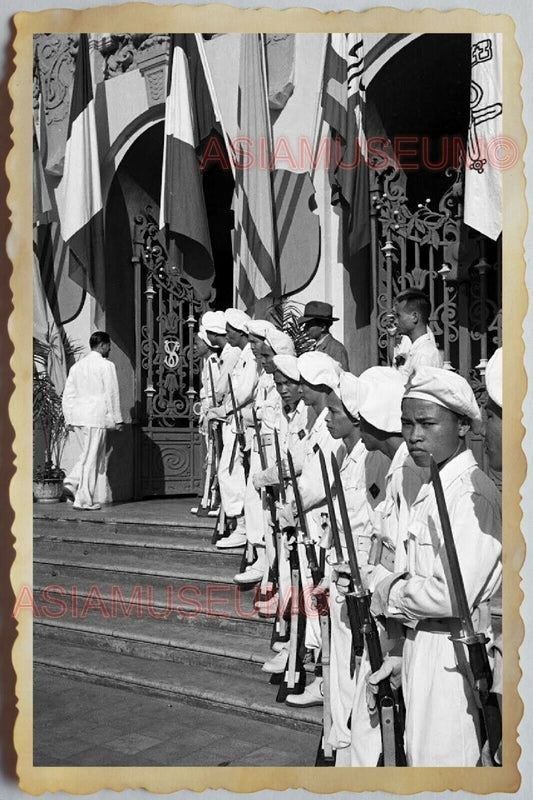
(310, 552)
(351, 602)
(475, 642)
(271, 502)
(240, 437)
(216, 438)
(294, 677)
(389, 709)
(325, 753)
(280, 622)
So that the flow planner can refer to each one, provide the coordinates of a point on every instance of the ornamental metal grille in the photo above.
(168, 371)
(427, 248)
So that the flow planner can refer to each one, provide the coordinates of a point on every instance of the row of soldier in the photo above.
(344, 493)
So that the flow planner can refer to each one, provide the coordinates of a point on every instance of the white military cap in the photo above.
(349, 393)
(280, 342)
(320, 369)
(259, 328)
(493, 377)
(288, 365)
(237, 319)
(202, 334)
(380, 392)
(214, 321)
(445, 388)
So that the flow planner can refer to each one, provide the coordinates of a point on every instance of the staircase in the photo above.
(151, 606)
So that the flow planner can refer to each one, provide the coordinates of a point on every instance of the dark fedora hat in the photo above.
(316, 309)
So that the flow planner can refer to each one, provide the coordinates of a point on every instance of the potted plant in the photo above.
(49, 429)
(49, 426)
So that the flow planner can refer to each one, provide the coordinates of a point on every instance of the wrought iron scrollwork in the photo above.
(170, 311)
(421, 248)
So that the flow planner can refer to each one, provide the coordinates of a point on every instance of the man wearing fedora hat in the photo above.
(316, 321)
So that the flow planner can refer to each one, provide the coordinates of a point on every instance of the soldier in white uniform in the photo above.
(294, 424)
(442, 716)
(244, 380)
(209, 353)
(379, 396)
(267, 406)
(91, 406)
(320, 375)
(418, 347)
(363, 479)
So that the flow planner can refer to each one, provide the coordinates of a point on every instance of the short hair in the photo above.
(99, 337)
(415, 300)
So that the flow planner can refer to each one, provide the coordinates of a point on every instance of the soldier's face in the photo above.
(200, 347)
(430, 429)
(308, 393)
(493, 435)
(370, 436)
(288, 390)
(267, 354)
(403, 318)
(233, 336)
(255, 344)
(338, 423)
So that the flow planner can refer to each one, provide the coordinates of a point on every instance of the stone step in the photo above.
(227, 652)
(198, 603)
(252, 696)
(118, 559)
(152, 514)
(172, 537)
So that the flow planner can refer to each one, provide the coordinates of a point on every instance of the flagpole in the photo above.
(270, 134)
(319, 116)
(212, 92)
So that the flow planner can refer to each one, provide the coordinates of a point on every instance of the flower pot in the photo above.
(48, 490)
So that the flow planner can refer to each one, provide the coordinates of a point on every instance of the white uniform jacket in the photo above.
(227, 360)
(206, 395)
(423, 352)
(310, 481)
(442, 720)
(91, 395)
(244, 378)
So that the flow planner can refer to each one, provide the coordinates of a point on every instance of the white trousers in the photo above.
(88, 476)
(232, 486)
(442, 719)
(342, 685)
(254, 512)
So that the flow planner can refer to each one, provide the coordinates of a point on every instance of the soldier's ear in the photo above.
(464, 426)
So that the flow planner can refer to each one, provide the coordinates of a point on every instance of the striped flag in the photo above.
(344, 108)
(254, 240)
(79, 195)
(483, 181)
(189, 118)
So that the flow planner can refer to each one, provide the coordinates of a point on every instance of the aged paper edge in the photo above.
(146, 17)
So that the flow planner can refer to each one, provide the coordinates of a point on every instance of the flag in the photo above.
(344, 110)
(79, 194)
(254, 242)
(42, 204)
(483, 180)
(46, 332)
(189, 118)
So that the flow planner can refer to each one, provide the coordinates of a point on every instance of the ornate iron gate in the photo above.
(169, 457)
(425, 249)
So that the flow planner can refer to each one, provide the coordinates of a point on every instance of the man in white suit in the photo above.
(91, 406)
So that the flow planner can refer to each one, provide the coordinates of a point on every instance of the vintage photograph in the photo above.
(267, 399)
